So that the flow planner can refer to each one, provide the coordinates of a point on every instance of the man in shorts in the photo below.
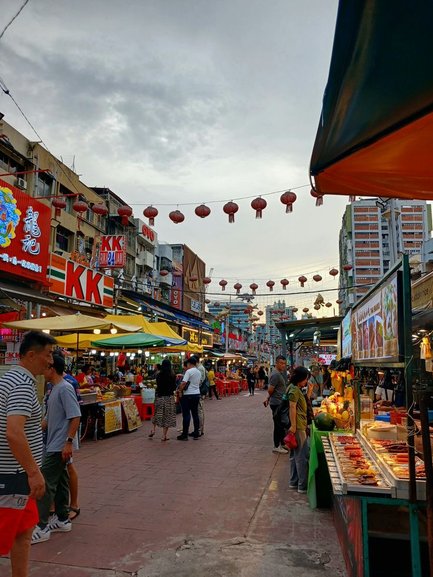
(21, 481)
(61, 422)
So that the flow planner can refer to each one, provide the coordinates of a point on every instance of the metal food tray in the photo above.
(401, 486)
(384, 487)
(336, 482)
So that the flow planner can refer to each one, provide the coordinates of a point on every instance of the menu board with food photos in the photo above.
(374, 325)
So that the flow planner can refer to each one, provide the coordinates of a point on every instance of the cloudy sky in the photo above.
(187, 101)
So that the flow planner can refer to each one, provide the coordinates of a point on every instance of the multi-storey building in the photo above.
(373, 234)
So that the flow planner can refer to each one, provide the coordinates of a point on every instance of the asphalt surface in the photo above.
(216, 507)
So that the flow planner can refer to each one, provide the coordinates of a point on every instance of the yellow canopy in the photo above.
(76, 322)
(189, 348)
(84, 340)
(163, 330)
(129, 323)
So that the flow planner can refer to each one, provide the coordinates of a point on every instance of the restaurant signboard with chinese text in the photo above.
(198, 337)
(24, 234)
(112, 251)
(73, 280)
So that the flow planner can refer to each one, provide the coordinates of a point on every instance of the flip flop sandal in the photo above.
(166, 439)
(76, 511)
(151, 434)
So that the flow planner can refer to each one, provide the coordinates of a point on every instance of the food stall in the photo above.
(378, 479)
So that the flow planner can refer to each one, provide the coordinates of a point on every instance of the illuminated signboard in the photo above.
(112, 251)
(375, 325)
(74, 280)
(346, 335)
(24, 234)
(198, 337)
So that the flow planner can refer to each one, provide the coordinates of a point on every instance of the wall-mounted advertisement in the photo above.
(346, 335)
(375, 325)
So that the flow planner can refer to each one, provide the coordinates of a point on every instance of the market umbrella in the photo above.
(376, 127)
(75, 322)
(132, 340)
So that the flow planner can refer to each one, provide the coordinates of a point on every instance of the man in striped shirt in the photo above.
(21, 481)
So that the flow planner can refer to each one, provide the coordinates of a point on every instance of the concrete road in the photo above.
(216, 507)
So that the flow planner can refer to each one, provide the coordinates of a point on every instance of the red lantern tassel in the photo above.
(352, 198)
(289, 208)
(319, 201)
(231, 217)
(151, 221)
(259, 213)
(271, 288)
(124, 220)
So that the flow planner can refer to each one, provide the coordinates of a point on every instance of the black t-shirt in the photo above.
(165, 384)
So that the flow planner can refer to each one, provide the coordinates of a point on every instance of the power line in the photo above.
(14, 18)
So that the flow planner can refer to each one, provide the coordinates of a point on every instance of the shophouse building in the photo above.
(371, 232)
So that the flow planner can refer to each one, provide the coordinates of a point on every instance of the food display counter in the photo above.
(373, 516)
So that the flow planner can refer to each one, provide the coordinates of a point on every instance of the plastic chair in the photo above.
(147, 411)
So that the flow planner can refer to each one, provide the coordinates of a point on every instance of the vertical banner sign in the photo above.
(112, 251)
(24, 234)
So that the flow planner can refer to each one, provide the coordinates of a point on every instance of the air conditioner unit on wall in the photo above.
(21, 183)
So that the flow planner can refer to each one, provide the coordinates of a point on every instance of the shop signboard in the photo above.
(112, 251)
(177, 282)
(327, 358)
(148, 234)
(374, 325)
(422, 293)
(73, 280)
(346, 335)
(24, 234)
(198, 337)
(112, 417)
(195, 306)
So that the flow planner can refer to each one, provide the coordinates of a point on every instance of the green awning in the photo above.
(132, 340)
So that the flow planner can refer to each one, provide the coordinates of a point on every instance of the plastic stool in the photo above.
(147, 411)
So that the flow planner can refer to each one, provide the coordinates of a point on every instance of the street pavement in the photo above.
(216, 507)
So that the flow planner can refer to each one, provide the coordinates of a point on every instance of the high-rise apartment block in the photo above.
(372, 231)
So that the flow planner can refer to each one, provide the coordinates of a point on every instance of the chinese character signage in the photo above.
(112, 251)
(198, 337)
(177, 284)
(375, 325)
(24, 234)
(73, 280)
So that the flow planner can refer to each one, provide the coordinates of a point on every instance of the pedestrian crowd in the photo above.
(38, 480)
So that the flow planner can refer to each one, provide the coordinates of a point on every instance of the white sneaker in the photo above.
(40, 535)
(57, 526)
(279, 450)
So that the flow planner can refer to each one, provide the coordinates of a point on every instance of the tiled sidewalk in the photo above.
(142, 500)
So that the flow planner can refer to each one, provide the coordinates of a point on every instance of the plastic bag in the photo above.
(290, 440)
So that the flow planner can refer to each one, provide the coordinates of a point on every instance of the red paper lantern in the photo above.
(125, 212)
(150, 212)
(247, 311)
(317, 307)
(207, 301)
(100, 209)
(302, 279)
(253, 287)
(177, 273)
(202, 211)
(259, 204)
(339, 301)
(223, 283)
(163, 272)
(231, 209)
(207, 280)
(328, 305)
(333, 272)
(347, 267)
(80, 206)
(260, 313)
(237, 287)
(318, 196)
(216, 304)
(284, 283)
(295, 309)
(59, 203)
(193, 278)
(288, 198)
(176, 216)
(305, 310)
(317, 278)
(270, 284)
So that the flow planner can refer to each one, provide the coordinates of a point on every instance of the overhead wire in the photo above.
(2, 33)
